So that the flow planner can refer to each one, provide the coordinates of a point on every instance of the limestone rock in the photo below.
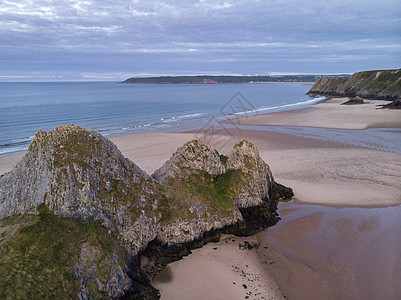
(191, 157)
(384, 84)
(196, 195)
(354, 101)
(396, 104)
(72, 171)
(260, 183)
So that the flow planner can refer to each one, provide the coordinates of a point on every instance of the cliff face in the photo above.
(75, 173)
(384, 85)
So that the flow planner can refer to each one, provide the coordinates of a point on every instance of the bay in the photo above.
(117, 109)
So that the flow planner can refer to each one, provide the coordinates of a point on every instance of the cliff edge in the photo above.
(384, 85)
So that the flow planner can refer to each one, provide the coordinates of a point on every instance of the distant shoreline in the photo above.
(200, 83)
(221, 79)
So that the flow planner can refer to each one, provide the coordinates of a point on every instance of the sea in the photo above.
(114, 109)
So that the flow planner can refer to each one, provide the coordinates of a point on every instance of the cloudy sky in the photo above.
(115, 39)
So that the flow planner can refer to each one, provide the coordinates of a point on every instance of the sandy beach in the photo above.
(347, 247)
(330, 114)
(8, 162)
(219, 271)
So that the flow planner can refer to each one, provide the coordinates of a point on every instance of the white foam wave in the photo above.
(13, 149)
(302, 103)
(176, 118)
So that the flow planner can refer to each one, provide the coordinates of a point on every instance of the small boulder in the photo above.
(354, 101)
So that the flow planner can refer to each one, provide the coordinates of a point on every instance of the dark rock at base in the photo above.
(281, 192)
(396, 104)
(255, 219)
(354, 101)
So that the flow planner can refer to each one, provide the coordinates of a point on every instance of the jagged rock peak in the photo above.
(261, 185)
(244, 154)
(195, 156)
(76, 143)
(69, 169)
(252, 182)
(192, 156)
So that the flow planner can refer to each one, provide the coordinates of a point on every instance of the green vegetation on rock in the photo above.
(214, 190)
(248, 246)
(379, 84)
(73, 188)
(39, 253)
(219, 79)
(223, 158)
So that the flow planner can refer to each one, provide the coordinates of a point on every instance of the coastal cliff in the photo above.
(385, 85)
(76, 215)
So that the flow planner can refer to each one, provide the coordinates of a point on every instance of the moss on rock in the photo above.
(39, 258)
(86, 210)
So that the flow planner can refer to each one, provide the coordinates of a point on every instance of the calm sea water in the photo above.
(116, 109)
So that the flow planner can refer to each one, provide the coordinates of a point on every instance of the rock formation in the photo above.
(354, 101)
(396, 104)
(385, 85)
(75, 173)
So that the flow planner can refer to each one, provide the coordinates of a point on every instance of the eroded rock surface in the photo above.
(384, 84)
(196, 195)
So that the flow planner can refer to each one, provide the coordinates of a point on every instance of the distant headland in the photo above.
(214, 79)
(375, 84)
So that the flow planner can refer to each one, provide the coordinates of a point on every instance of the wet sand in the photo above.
(331, 253)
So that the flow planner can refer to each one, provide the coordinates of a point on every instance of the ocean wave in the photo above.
(8, 146)
(302, 103)
(12, 149)
(176, 118)
(18, 141)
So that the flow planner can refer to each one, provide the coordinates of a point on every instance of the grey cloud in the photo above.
(202, 34)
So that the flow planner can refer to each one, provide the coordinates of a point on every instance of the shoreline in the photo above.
(262, 120)
(328, 114)
(302, 82)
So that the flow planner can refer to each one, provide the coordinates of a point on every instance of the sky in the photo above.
(64, 40)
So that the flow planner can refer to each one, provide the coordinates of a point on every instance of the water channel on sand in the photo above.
(321, 252)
